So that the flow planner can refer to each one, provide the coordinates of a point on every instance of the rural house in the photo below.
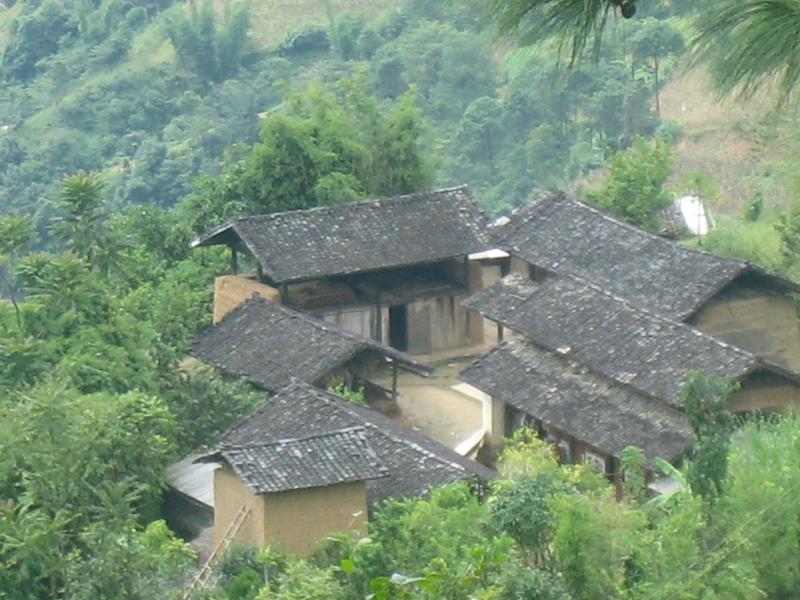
(394, 270)
(292, 493)
(271, 345)
(731, 299)
(576, 344)
(408, 464)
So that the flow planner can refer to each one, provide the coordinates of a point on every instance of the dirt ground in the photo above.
(431, 406)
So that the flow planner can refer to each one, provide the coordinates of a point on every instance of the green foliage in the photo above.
(521, 509)
(632, 465)
(788, 227)
(745, 44)
(705, 402)
(634, 189)
(35, 36)
(301, 581)
(754, 208)
(758, 242)
(209, 49)
(571, 22)
(353, 396)
(132, 564)
(204, 405)
(518, 580)
(328, 147)
(82, 228)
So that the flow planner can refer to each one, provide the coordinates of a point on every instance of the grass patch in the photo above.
(757, 242)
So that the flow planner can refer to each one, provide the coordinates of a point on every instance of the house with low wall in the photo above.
(733, 300)
(394, 269)
(411, 463)
(579, 358)
(292, 493)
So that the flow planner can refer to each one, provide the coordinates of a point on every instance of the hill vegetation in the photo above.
(156, 94)
(127, 128)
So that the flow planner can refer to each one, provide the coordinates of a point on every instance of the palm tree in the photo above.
(82, 226)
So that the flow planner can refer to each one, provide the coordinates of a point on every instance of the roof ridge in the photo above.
(648, 234)
(293, 440)
(365, 202)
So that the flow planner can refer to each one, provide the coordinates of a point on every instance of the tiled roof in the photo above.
(609, 335)
(359, 236)
(563, 235)
(413, 462)
(299, 463)
(582, 404)
(270, 345)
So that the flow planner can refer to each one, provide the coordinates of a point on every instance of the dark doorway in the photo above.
(398, 327)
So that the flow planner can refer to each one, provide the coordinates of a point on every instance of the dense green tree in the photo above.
(209, 49)
(705, 401)
(521, 509)
(324, 148)
(634, 189)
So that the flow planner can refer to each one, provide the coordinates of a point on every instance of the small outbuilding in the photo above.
(292, 493)
(410, 463)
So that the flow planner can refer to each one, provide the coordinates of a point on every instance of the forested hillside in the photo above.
(128, 128)
(155, 94)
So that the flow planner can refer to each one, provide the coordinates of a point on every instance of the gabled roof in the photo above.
(299, 463)
(358, 236)
(413, 462)
(582, 404)
(560, 234)
(270, 345)
(609, 335)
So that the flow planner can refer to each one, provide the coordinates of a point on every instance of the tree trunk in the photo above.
(658, 93)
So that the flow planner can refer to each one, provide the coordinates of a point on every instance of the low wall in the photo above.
(231, 290)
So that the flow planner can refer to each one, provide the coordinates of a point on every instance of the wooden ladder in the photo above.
(201, 578)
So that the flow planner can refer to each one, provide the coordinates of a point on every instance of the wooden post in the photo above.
(499, 333)
(379, 320)
(284, 293)
(260, 272)
(394, 380)
(234, 261)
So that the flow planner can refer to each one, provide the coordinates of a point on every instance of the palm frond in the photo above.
(748, 43)
(573, 23)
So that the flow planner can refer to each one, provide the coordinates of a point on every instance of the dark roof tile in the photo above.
(561, 234)
(299, 463)
(360, 236)
(560, 392)
(270, 345)
(608, 334)
(413, 462)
